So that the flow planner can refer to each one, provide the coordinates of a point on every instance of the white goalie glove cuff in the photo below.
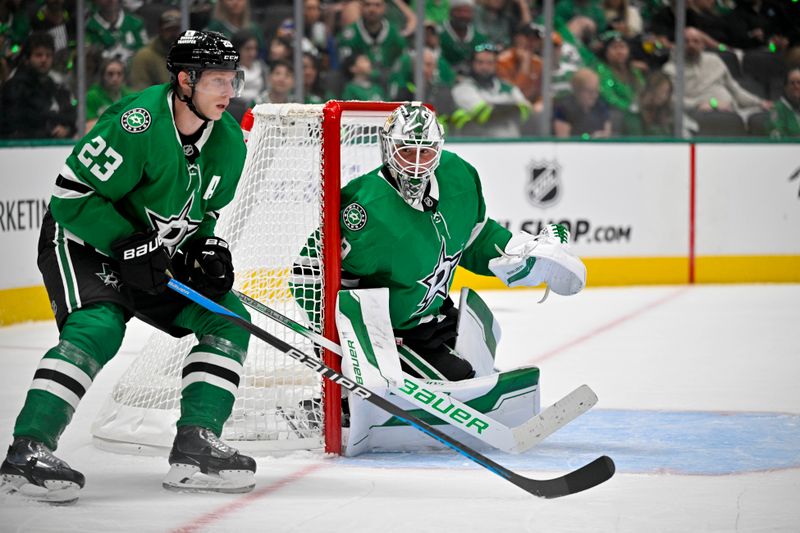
(530, 260)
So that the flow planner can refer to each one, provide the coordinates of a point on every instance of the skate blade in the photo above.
(55, 492)
(188, 478)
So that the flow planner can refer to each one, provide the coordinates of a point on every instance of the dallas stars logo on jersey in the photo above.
(136, 120)
(108, 277)
(175, 229)
(437, 282)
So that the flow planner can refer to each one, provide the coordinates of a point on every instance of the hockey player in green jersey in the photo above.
(137, 202)
(408, 224)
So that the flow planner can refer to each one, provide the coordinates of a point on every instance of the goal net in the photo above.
(298, 157)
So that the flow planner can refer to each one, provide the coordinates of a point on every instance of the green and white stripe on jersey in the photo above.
(69, 281)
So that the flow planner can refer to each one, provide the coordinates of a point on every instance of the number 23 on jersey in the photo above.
(100, 159)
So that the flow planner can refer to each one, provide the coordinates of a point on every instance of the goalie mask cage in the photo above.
(298, 158)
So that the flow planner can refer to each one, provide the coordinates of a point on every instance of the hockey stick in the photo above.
(586, 477)
(512, 440)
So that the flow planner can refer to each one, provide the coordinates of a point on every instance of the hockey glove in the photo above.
(144, 262)
(530, 260)
(209, 266)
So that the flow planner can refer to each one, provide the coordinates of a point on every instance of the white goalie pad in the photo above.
(482, 407)
(369, 349)
(478, 333)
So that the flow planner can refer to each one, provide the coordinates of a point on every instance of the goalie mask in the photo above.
(411, 146)
(196, 52)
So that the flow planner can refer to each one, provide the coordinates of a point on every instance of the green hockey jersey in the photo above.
(383, 49)
(414, 252)
(130, 173)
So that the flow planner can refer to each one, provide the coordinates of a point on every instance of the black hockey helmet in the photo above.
(201, 50)
(197, 51)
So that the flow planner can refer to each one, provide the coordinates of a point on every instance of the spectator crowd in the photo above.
(613, 67)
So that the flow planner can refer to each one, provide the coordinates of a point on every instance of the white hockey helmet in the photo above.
(411, 146)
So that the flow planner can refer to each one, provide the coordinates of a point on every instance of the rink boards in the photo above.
(639, 213)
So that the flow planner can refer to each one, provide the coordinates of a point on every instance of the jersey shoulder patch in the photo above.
(136, 120)
(138, 112)
(354, 217)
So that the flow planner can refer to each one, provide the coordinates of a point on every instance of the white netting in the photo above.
(277, 206)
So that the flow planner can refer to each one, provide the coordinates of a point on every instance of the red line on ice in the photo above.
(227, 509)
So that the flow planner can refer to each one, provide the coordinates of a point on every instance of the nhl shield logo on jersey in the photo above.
(136, 120)
(543, 188)
(354, 217)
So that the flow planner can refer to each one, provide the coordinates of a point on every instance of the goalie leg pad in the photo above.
(478, 333)
(365, 333)
(510, 398)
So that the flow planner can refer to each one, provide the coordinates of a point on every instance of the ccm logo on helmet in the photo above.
(139, 251)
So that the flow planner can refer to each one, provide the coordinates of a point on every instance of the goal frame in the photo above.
(331, 249)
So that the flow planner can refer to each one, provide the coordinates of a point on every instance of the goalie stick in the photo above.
(512, 440)
(586, 477)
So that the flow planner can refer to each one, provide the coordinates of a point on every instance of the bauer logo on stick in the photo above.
(136, 120)
(354, 217)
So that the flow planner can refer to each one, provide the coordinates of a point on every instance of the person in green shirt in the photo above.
(372, 34)
(116, 32)
(569, 9)
(620, 81)
(785, 115)
(135, 204)
(459, 37)
(360, 87)
(108, 90)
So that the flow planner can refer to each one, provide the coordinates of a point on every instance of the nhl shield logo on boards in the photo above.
(543, 187)
(136, 120)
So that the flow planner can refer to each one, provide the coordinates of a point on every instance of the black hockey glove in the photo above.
(144, 262)
(209, 266)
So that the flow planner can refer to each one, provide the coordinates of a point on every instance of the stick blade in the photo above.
(561, 413)
(586, 477)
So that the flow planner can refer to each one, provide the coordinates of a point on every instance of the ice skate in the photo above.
(201, 462)
(32, 471)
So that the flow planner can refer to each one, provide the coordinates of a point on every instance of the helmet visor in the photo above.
(220, 82)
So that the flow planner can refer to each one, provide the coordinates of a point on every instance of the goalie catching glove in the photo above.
(144, 262)
(209, 266)
(530, 260)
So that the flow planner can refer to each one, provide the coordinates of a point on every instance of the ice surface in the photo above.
(699, 406)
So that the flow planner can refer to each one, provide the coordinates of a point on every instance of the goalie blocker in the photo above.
(372, 358)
